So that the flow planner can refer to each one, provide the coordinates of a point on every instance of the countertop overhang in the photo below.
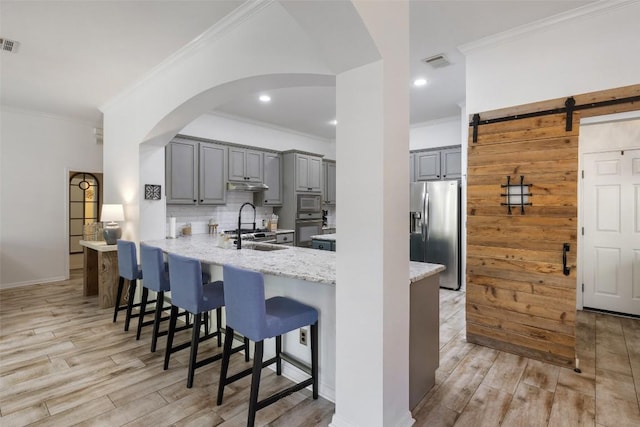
(293, 262)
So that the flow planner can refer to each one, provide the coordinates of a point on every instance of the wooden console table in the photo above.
(100, 276)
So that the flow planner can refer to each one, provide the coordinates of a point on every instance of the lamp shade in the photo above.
(112, 213)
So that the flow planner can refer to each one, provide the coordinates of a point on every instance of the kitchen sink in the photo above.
(268, 248)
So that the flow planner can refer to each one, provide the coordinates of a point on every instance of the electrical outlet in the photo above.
(303, 336)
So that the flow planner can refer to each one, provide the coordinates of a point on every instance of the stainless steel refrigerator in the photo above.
(434, 227)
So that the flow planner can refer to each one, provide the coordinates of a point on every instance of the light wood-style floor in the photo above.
(63, 362)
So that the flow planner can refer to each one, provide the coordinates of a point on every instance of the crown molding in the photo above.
(589, 10)
(53, 116)
(217, 31)
(268, 125)
(435, 122)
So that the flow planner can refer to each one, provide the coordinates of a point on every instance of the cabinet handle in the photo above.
(321, 246)
(444, 176)
(201, 200)
(284, 239)
(194, 200)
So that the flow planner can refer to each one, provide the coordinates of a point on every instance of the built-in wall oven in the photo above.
(308, 218)
(305, 228)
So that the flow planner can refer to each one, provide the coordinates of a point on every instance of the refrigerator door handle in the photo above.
(425, 221)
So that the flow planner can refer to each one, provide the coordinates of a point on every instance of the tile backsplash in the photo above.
(226, 216)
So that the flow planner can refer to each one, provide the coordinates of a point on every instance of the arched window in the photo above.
(84, 206)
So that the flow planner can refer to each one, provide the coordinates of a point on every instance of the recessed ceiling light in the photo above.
(333, 122)
(265, 98)
(419, 82)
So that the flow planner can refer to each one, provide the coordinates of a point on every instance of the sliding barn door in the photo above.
(519, 297)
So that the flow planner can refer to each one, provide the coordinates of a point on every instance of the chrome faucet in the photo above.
(238, 239)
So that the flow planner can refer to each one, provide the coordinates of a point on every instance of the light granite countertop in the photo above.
(331, 237)
(307, 264)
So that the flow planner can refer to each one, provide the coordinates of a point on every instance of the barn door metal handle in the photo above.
(565, 248)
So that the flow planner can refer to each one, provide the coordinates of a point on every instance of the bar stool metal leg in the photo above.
(132, 294)
(156, 320)
(118, 298)
(255, 382)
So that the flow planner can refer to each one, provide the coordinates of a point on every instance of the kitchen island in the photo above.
(309, 276)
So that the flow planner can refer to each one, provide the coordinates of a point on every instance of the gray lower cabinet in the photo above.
(329, 182)
(245, 165)
(323, 245)
(436, 164)
(195, 173)
(273, 180)
(285, 239)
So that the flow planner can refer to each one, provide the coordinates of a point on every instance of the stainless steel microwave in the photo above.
(309, 203)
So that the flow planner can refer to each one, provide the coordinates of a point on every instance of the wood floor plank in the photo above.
(616, 391)
(71, 417)
(582, 383)
(487, 407)
(541, 375)
(530, 406)
(25, 416)
(506, 372)
(572, 409)
(40, 389)
(133, 410)
(455, 391)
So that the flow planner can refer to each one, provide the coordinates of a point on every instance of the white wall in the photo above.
(587, 53)
(238, 131)
(37, 153)
(435, 133)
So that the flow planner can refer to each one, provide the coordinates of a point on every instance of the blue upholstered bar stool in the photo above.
(248, 313)
(156, 278)
(130, 271)
(189, 294)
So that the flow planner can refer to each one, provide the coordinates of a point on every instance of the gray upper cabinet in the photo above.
(427, 165)
(437, 164)
(245, 165)
(451, 163)
(212, 174)
(412, 170)
(273, 180)
(329, 182)
(195, 173)
(308, 173)
(181, 169)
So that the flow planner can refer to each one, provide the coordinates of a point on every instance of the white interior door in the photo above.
(611, 267)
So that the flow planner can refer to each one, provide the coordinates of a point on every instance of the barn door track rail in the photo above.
(569, 108)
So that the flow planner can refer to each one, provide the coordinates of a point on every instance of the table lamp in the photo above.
(111, 214)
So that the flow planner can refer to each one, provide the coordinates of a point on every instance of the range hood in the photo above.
(246, 186)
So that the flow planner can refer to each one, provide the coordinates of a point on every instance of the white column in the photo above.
(372, 290)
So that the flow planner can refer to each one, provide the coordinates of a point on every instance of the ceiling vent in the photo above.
(437, 61)
(9, 45)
